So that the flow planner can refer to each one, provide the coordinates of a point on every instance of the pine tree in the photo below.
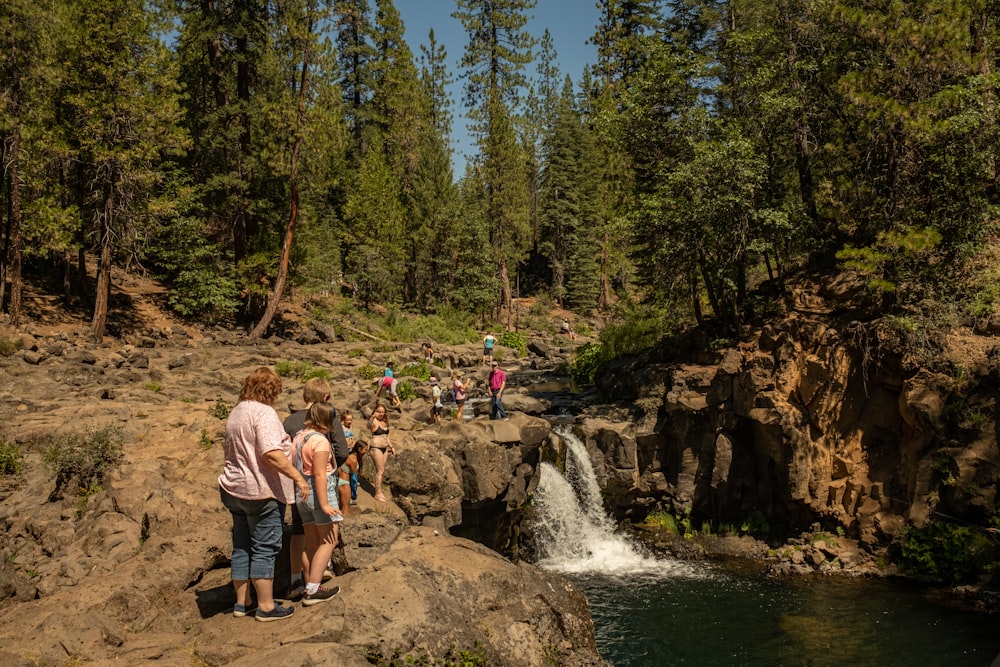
(540, 115)
(377, 219)
(24, 110)
(435, 80)
(357, 54)
(494, 59)
(221, 47)
(122, 117)
(302, 23)
(560, 193)
(619, 35)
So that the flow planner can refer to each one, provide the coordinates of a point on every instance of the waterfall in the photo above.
(574, 533)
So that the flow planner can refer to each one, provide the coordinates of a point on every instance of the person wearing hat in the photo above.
(437, 405)
(497, 382)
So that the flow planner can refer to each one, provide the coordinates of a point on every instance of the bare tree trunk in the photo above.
(14, 238)
(604, 300)
(5, 234)
(696, 300)
(293, 182)
(505, 291)
(103, 294)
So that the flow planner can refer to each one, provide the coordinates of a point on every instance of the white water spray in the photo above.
(575, 534)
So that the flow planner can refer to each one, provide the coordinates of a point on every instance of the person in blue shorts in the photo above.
(347, 423)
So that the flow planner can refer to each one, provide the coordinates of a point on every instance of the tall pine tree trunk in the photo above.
(103, 295)
(293, 183)
(604, 300)
(14, 237)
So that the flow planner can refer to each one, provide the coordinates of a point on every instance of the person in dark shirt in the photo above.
(315, 390)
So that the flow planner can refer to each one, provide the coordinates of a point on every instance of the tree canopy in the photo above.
(238, 149)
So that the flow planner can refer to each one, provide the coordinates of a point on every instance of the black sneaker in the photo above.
(322, 595)
(275, 614)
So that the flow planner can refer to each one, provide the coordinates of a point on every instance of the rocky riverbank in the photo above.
(136, 568)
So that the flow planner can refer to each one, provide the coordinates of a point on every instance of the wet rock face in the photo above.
(799, 424)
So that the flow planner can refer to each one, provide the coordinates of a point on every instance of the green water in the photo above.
(721, 617)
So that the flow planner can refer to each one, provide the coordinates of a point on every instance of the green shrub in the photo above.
(221, 409)
(86, 457)
(153, 386)
(447, 326)
(369, 372)
(8, 347)
(300, 370)
(585, 361)
(405, 390)
(83, 496)
(292, 368)
(355, 352)
(315, 373)
(947, 553)
(206, 293)
(515, 341)
(663, 520)
(11, 459)
(382, 655)
(419, 370)
(543, 305)
(756, 525)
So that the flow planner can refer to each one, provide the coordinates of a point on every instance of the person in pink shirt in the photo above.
(497, 382)
(256, 483)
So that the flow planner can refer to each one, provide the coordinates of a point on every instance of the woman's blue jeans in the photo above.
(256, 536)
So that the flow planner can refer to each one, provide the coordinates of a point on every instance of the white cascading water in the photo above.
(573, 532)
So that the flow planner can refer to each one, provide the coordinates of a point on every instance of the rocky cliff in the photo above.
(816, 420)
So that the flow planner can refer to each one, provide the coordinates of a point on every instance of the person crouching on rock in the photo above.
(320, 511)
(255, 484)
(388, 382)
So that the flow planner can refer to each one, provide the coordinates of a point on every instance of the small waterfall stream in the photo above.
(573, 531)
(650, 612)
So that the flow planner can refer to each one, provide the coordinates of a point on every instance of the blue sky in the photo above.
(570, 22)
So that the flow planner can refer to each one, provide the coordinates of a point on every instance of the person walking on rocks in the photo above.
(497, 383)
(381, 446)
(258, 479)
(488, 342)
(320, 511)
(437, 404)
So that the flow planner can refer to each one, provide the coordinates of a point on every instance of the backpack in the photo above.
(297, 454)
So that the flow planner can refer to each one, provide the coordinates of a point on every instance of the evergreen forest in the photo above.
(237, 149)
